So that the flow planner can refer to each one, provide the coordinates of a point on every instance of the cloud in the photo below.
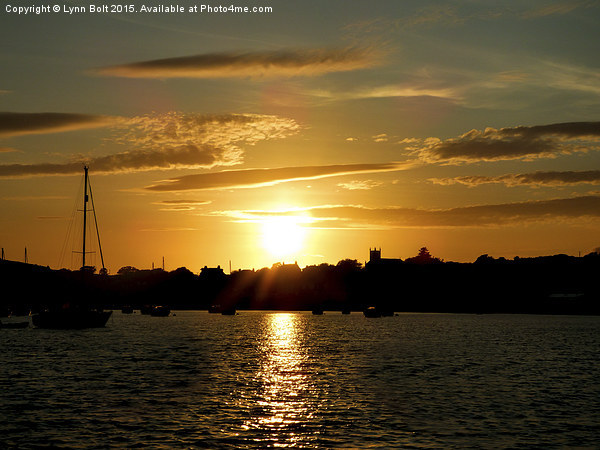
(505, 214)
(560, 8)
(6, 150)
(250, 64)
(173, 140)
(181, 204)
(251, 178)
(452, 15)
(16, 124)
(360, 185)
(28, 198)
(541, 141)
(532, 179)
(412, 88)
(380, 138)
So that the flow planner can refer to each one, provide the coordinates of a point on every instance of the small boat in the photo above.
(317, 311)
(127, 309)
(71, 318)
(146, 310)
(223, 310)
(346, 311)
(160, 311)
(215, 309)
(14, 324)
(372, 312)
(77, 314)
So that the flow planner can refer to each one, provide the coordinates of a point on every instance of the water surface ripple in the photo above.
(263, 380)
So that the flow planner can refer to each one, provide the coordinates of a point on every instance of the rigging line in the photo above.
(70, 230)
(96, 223)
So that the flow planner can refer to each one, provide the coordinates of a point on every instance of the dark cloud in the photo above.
(232, 179)
(184, 156)
(15, 124)
(174, 140)
(249, 64)
(512, 143)
(532, 179)
(468, 216)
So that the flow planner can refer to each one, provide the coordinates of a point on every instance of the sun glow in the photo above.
(283, 237)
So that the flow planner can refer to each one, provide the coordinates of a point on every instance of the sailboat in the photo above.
(77, 314)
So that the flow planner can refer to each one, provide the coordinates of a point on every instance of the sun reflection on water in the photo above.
(284, 406)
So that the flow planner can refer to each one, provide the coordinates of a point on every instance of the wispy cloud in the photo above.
(16, 124)
(249, 64)
(528, 179)
(510, 143)
(28, 198)
(505, 214)
(174, 140)
(251, 178)
(380, 137)
(557, 8)
(181, 204)
(410, 88)
(454, 15)
(6, 150)
(360, 185)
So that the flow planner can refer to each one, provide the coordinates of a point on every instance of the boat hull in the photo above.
(70, 320)
(160, 311)
(14, 325)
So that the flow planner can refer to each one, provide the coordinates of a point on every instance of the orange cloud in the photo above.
(505, 214)
(250, 178)
(539, 178)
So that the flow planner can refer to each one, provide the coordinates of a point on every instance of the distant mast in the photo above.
(87, 187)
(85, 200)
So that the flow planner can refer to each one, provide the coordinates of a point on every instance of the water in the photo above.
(261, 380)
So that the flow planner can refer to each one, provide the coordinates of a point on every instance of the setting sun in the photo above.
(283, 236)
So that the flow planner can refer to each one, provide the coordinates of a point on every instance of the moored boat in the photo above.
(160, 311)
(14, 323)
(372, 312)
(71, 318)
(77, 313)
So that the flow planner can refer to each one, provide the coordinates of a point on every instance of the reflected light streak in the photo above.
(286, 390)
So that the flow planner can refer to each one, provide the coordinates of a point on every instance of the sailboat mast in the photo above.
(85, 200)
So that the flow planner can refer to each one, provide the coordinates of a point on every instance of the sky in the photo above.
(309, 133)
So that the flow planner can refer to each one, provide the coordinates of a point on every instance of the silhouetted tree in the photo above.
(424, 257)
(484, 259)
(127, 269)
(349, 265)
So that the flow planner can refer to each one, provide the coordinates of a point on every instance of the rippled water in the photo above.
(260, 380)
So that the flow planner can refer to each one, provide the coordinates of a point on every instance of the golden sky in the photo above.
(309, 133)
